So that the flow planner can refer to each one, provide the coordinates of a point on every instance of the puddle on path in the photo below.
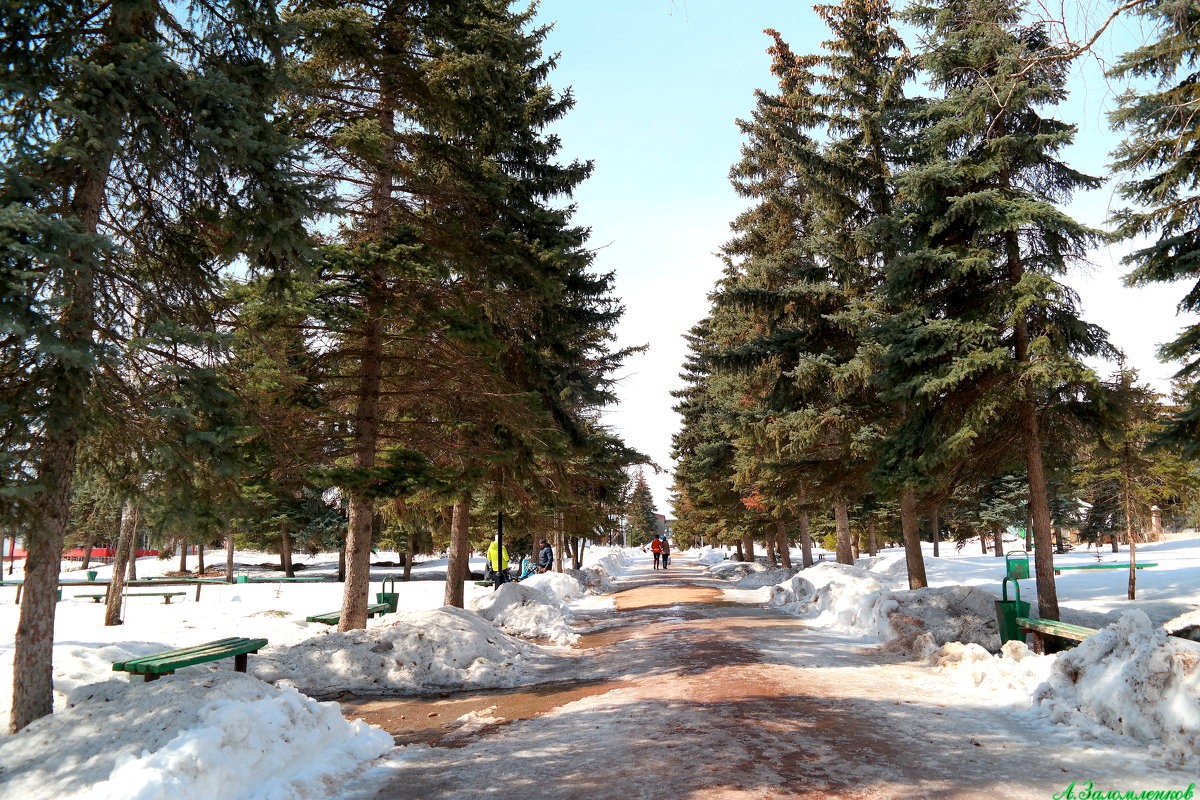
(433, 720)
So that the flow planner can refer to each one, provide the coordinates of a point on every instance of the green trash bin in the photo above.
(1007, 611)
(241, 579)
(1016, 565)
(91, 574)
(392, 598)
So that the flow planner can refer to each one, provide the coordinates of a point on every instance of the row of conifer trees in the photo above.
(893, 334)
(258, 261)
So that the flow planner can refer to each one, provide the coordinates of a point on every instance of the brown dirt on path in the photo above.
(724, 701)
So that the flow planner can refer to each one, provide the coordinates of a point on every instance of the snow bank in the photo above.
(523, 610)
(965, 614)
(223, 735)
(1133, 679)
(707, 555)
(556, 584)
(411, 652)
(767, 577)
(838, 596)
(611, 561)
(734, 570)
(1007, 679)
(78, 664)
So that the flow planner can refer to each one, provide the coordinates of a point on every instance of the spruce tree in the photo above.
(1162, 149)
(139, 157)
(982, 335)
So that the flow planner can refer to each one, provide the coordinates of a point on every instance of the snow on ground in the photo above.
(226, 735)
(1129, 679)
(523, 610)
(409, 652)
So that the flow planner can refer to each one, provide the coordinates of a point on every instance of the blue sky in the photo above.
(658, 85)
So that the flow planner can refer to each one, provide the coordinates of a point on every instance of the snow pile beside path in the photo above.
(707, 555)
(223, 735)
(768, 577)
(611, 561)
(523, 610)
(556, 584)
(734, 570)
(445, 648)
(840, 597)
(965, 614)
(1133, 679)
(1008, 679)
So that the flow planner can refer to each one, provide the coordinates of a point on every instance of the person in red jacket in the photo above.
(656, 548)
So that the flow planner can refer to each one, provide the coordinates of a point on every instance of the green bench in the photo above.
(333, 617)
(155, 666)
(1041, 628)
(166, 596)
(1060, 570)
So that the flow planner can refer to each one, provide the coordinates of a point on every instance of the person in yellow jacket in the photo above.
(496, 559)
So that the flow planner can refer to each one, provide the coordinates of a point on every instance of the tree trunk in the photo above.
(183, 548)
(841, 515)
(12, 555)
(983, 542)
(410, 550)
(912, 541)
(87, 555)
(1127, 502)
(935, 530)
(558, 548)
(806, 559)
(783, 545)
(229, 558)
(200, 560)
(116, 587)
(460, 552)
(131, 559)
(341, 574)
(998, 532)
(769, 542)
(285, 553)
(872, 548)
(747, 549)
(737, 553)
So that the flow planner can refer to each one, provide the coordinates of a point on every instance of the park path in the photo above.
(710, 699)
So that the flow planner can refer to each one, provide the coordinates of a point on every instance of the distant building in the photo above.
(670, 525)
(660, 525)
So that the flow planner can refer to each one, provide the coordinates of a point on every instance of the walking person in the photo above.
(666, 552)
(545, 559)
(656, 548)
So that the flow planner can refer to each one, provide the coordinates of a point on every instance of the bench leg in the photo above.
(166, 599)
(150, 676)
(1039, 642)
(240, 662)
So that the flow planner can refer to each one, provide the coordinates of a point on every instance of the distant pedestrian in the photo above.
(666, 552)
(656, 548)
(545, 561)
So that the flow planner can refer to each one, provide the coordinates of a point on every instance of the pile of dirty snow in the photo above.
(523, 610)
(422, 650)
(556, 584)
(1131, 678)
(1009, 678)
(840, 597)
(611, 561)
(965, 614)
(767, 577)
(222, 735)
(707, 555)
(734, 570)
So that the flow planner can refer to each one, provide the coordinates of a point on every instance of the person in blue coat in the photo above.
(545, 561)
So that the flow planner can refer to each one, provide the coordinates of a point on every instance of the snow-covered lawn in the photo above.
(209, 730)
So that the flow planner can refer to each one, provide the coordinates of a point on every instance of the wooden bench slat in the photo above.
(185, 651)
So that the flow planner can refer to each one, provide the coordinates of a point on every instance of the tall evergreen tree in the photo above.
(1162, 149)
(138, 156)
(639, 512)
(982, 333)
